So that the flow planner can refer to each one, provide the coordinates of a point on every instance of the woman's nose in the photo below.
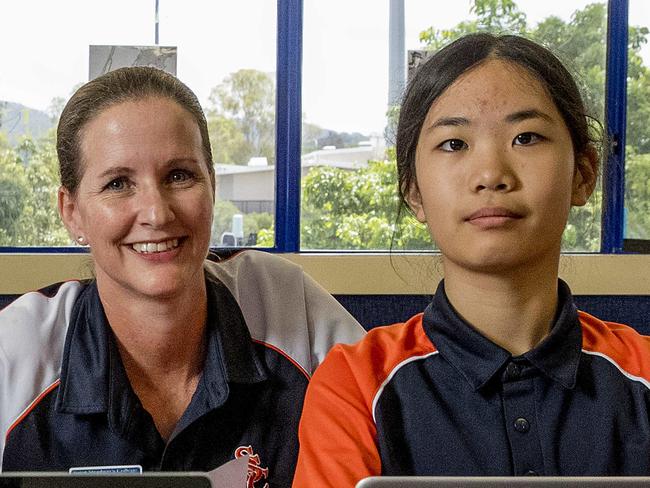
(156, 208)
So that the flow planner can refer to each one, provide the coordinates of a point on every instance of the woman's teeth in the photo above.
(151, 247)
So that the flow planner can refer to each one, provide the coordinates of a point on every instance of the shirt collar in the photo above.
(229, 339)
(92, 375)
(478, 359)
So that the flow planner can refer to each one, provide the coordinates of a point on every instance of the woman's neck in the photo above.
(514, 309)
(158, 335)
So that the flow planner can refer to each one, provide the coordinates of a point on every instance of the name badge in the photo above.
(133, 469)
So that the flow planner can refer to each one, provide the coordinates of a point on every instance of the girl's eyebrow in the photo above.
(515, 117)
(449, 122)
(528, 114)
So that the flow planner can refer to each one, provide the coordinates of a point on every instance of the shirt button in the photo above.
(513, 371)
(522, 425)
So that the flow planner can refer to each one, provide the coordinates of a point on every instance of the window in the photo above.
(342, 104)
(351, 91)
(215, 57)
(637, 136)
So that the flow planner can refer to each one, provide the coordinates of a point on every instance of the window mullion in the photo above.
(288, 126)
(613, 217)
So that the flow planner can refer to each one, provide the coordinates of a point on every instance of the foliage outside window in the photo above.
(637, 144)
(342, 210)
(241, 121)
(239, 101)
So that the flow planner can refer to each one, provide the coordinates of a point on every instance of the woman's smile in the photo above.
(146, 189)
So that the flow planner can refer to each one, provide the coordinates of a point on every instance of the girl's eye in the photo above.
(453, 145)
(526, 139)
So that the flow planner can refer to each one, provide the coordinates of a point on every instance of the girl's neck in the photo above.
(514, 308)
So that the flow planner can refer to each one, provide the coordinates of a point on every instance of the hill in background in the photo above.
(17, 120)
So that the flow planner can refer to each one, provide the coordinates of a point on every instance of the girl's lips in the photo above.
(159, 251)
(493, 212)
(492, 217)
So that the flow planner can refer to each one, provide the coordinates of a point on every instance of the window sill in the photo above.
(359, 273)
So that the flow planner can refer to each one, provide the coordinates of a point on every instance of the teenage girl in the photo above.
(500, 375)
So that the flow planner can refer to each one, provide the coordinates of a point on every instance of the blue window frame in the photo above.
(613, 222)
(289, 120)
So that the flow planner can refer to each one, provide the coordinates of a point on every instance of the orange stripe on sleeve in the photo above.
(337, 433)
(620, 344)
(31, 407)
(285, 355)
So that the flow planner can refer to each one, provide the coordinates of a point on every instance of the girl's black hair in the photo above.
(448, 64)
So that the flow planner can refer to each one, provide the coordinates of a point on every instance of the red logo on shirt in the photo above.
(255, 471)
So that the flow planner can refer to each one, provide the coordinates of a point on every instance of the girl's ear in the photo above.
(584, 176)
(69, 213)
(414, 200)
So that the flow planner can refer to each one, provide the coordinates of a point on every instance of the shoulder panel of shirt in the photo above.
(376, 359)
(32, 334)
(340, 400)
(284, 308)
(619, 344)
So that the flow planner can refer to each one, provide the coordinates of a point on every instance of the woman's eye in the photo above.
(118, 184)
(180, 176)
(526, 138)
(453, 145)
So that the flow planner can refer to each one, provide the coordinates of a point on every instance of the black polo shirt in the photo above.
(554, 410)
(433, 396)
(248, 395)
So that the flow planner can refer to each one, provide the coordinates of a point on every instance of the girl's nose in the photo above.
(492, 171)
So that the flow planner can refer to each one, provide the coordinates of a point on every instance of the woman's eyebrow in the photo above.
(528, 114)
(116, 171)
(181, 160)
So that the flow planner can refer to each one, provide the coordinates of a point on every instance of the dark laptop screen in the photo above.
(64, 480)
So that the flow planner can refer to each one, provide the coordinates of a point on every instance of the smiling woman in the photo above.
(146, 182)
(164, 361)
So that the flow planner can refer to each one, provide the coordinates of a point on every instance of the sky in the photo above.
(345, 56)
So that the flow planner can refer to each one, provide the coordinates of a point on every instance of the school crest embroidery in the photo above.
(255, 471)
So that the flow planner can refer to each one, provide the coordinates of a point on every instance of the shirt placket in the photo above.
(518, 392)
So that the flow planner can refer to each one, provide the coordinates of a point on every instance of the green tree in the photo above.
(499, 16)
(14, 191)
(637, 194)
(228, 143)
(344, 209)
(28, 185)
(241, 117)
